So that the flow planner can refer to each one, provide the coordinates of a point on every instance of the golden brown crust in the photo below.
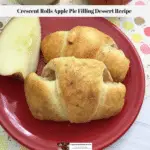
(39, 98)
(113, 101)
(117, 64)
(114, 98)
(78, 90)
(79, 81)
(52, 48)
(85, 42)
(88, 42)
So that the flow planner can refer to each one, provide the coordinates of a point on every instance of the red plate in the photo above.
(16, 118)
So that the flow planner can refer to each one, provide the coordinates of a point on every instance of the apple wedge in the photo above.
(20, 46)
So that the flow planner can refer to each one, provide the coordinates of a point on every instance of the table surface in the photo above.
(138, 31)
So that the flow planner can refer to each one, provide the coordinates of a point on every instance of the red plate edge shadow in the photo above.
(20, 137)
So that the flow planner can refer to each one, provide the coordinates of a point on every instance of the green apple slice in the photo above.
(20, 46)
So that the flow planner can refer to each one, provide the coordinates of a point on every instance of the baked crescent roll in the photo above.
(75, 90)
(87, 42)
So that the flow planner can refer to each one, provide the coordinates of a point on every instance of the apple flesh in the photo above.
(20, 46)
